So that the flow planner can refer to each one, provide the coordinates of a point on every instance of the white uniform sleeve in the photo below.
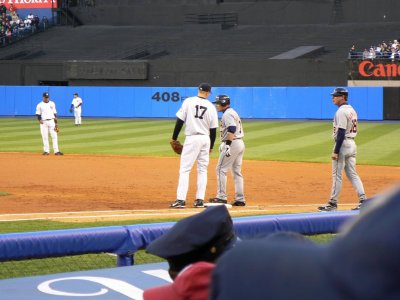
(53, 106)
(182, 112)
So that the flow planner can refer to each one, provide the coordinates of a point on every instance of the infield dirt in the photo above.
(78, 183)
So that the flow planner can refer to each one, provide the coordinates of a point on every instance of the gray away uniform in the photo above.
(234, 162)
(346, 118)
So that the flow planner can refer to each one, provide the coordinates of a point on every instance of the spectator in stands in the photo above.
(191, 247)
(27, 24)
(343, 269)
(371, 54)
(45, 22)
(36, 22)
(394, 55)
(8, 36)
(365, 54)
(3, 9)
(30, 16)
(3, 37)
(353, 52)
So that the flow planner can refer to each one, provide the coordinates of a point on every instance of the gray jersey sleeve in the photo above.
(231, 118)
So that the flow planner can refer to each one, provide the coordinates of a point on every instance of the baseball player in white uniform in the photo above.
(47, 115)
(345, 129)
(231, 152)
(201, 121)
(76, 107)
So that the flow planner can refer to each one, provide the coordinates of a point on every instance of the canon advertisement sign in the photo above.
(374, 70)
(23, 4)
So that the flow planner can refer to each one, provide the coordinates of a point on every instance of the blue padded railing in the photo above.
(126, 240)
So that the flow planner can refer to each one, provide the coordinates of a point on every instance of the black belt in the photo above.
(48, 119)
(351, 138)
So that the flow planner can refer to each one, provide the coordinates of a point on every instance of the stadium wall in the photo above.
(261, 12)
(164, 102)
(178, 72)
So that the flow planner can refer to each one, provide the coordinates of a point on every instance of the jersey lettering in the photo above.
(203, 110)
(353, 126)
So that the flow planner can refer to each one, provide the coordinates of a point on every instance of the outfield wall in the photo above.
(163, 102)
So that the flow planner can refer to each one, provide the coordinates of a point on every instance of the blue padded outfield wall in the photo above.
(163, 102)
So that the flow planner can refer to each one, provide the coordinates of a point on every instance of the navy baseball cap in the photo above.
(340, 92)
(205, 87)
(46, 94)
(200, 237)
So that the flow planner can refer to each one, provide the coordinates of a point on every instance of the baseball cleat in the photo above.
(58, 153)
(358, 207)
(199, 203)
(45, 153)
(217, 200)
(238, 203)
(328, 207)
(178, 204)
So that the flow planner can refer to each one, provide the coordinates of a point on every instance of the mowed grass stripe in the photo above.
(294, 139)
(273, 131)
(378, 143)
(81, 134)
(385, 147)
(148, 142)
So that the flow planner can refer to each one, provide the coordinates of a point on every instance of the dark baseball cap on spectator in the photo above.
(46, 94)
(205, 87)
(200, 237)
(76, 94)
(192, 283)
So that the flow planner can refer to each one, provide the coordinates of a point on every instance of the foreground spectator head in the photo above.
(362, 263)
(201, 237)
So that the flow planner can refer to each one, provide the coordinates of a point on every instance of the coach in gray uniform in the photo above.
(231, 152)
(345, 129)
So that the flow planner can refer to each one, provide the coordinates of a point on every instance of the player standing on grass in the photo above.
(345, 129)
(47, 116)
(76, 108)
(201, 121)
(231, 152)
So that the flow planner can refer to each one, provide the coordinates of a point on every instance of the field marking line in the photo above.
(120, 215)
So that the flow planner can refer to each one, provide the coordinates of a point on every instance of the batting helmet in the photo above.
(340, 92)
(222, 100)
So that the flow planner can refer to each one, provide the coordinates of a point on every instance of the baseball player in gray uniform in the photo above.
(231, 152)
(201, 121)
(345, 128)
(47, 116)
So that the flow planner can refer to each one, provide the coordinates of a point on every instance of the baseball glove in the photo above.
(71, 110)
(176, 146)
(57, 129)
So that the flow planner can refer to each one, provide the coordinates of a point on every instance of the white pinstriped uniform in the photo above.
(47, 111)
(199, 115)
(77, 110)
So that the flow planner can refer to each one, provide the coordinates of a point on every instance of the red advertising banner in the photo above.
(377, 69)
(24, 4)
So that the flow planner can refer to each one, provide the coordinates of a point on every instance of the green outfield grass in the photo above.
(307, 141)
